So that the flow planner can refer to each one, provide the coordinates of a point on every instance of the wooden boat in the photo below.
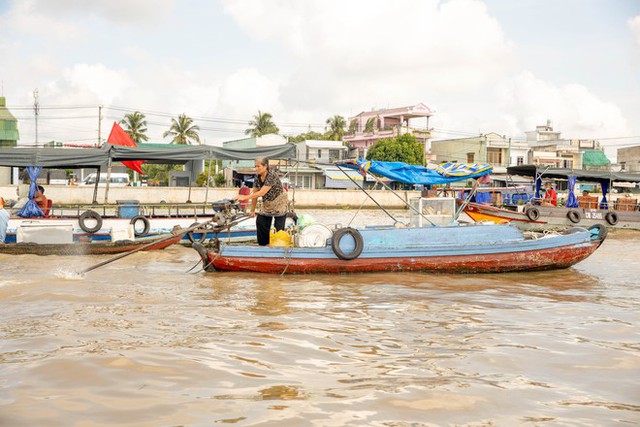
(142, 227)
(584, 211)
(102, 247)
(450, 249)
(431, 242)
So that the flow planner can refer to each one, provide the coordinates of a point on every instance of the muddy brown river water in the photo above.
(144, 342)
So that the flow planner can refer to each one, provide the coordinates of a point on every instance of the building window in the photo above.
(334, 155)
(494, 156)
(567, 164)
(319, 153)
(623, 166)
(470, 157)
(520, 160)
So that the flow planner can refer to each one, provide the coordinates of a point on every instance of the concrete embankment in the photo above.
(61, 194)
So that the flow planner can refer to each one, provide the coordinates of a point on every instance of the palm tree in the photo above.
(183, 131)
(261, 125)
(336, 125)
(370, 125)
(353, 127)
(135, 126)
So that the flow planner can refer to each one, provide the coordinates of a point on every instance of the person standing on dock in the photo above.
(274, 201)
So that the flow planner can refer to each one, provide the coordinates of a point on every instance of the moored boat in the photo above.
(450, 249)
(433, 241)
(584, 211)
(550, 218)
(103, 247)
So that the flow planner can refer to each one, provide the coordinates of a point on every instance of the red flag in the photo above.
(119, 137)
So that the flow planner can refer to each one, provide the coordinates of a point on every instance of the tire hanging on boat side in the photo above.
(191, 237)
(357, 237)
(145, 222)
(533, 214)
(574, 216)
(612, 218)
(90, 215)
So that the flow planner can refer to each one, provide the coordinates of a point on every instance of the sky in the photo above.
(482, 66)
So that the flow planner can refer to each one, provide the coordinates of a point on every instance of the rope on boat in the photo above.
(361, 206)
(194, 266)
(288, 251)
(361, 187)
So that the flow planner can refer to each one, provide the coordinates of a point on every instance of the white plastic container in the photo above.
(122, 232)
(44, 233)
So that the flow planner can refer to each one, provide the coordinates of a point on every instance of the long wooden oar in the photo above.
(173, 235)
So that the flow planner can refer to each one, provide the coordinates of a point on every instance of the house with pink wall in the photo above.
(388, 123)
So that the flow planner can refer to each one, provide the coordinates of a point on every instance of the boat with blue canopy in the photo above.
(579, 210)
(424, 244)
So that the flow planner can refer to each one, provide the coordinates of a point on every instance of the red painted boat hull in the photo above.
(546, 259)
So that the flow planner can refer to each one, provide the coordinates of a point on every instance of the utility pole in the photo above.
(36, 111)
(99, 125)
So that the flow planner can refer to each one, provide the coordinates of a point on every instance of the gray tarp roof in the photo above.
(54, 157)
(98, 157)
(581, 175)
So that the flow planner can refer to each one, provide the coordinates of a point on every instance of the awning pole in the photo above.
(206, 192)
(106, 190)
(95, 187)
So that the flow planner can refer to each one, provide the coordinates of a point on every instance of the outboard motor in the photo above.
(225, 211)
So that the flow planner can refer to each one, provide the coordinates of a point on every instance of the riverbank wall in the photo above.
(65, 195)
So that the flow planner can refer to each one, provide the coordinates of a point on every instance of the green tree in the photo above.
(404, 148)
(159, 173)
(306, 136)
(135, 125)
(336, 125)
(183, 131)
(370, 126)
(261, 125)
(353, 127)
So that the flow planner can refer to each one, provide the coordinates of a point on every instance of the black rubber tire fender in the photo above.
(574, 216)
(612, 218)
(533, 214)
(601, 231)
(145, 222)
(90, 215)
(357, 237)
(192, 239)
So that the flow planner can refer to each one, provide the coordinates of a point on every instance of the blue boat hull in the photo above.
(455, 249)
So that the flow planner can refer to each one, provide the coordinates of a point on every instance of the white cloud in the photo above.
(573, 109)
(245, 92)
(131, 11)
(386, 52)
(634, 26)
(94, 83)
(303, 61)
(25, 18)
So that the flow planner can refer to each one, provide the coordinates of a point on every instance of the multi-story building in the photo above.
(629, 159)
(492, 148)
(543, 146)
(548, 148)
(371, 126)
(9, 137)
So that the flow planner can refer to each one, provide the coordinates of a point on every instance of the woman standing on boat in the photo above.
(274, 201)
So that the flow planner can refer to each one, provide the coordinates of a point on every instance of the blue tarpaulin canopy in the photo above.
(420, 175)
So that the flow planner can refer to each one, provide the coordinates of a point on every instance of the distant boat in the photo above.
(584, 211)
(550, 218)
(432, 242)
